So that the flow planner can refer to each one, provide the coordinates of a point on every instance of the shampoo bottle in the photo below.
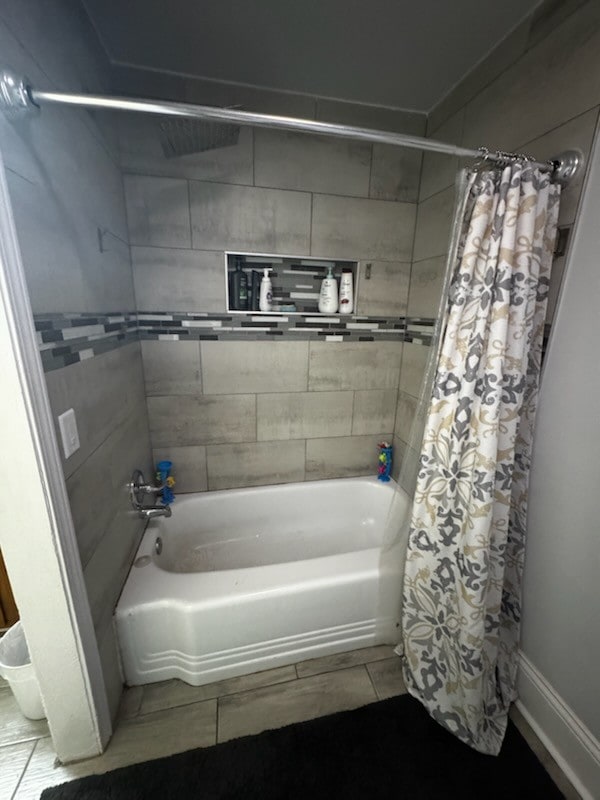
(346, 292)
(239, 289)
(266, 292)
(328, 297)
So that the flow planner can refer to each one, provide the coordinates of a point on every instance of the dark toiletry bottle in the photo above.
(239, 288)
(256, 278)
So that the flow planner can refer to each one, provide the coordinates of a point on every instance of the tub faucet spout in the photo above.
(154, 511)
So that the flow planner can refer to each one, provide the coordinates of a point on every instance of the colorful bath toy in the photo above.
(163, 477)
(384, 461)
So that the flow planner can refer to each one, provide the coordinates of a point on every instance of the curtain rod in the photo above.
(17, 97)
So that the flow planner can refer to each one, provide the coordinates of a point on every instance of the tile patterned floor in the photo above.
(164, 718)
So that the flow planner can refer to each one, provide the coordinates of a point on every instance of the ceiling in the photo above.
(385, 52)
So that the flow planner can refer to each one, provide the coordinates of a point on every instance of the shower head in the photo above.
(182, 137)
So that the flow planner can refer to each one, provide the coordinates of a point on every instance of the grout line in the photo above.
(189, 201)
(253, 134)
(434, 194)
(372, 682)
(25, 768)
(310, 224)
(420, 261)
(370, 188)
(304, 478)
(217, 720)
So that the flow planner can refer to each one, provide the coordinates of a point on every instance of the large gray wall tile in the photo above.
(405, 414)
(158, 211)
(343, 457)
(286, 160)
(523, 102)
(434, 222)
(354, 365)
(414, 362)
(50, 167)
(246, 218)
(96, 489)
(189, 467)
(385, 293)
(141, 152)
(240, 367)
(395, 173)
(103, 391)
(374, 411)
(172, 279)
(171, 367)
(303, 415)
(255, 464)
(347, 227)
(578, 133)
(426, 282)
(185, 420)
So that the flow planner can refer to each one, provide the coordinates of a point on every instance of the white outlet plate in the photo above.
(68, 432)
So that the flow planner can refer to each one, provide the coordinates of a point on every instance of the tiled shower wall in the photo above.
(243, 413)
(64, 180)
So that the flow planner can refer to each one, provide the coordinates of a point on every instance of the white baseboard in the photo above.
(564, 735)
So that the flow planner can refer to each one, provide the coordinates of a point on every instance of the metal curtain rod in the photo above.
(17, 97)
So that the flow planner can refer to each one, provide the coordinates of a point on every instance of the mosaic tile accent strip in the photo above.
(66, 339)
(255, 326)
(419, 329)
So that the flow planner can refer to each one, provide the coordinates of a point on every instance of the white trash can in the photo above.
(17, 669)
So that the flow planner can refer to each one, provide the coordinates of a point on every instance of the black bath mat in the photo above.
(389, 750)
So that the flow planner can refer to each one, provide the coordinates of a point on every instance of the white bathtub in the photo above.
(251, 579)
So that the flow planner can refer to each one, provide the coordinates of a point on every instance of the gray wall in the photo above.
(540, 93)
(65, 182)
(242, 413)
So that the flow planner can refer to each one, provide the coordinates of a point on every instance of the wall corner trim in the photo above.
(570, 743)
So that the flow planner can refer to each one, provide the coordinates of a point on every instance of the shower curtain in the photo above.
(462, 583)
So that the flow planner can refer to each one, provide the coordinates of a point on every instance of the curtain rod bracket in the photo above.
(15, 98)
(566, 164)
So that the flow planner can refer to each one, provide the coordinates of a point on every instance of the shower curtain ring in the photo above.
(484, 155)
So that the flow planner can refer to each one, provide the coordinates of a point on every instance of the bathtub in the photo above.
(243, 580)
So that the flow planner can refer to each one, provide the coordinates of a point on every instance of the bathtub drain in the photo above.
(158, 546)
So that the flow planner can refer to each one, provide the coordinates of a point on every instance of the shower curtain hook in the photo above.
(483, 158)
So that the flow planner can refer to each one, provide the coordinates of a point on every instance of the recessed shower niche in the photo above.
(296, 281)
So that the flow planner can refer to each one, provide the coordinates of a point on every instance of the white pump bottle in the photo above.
(266, 292)
(328, 297)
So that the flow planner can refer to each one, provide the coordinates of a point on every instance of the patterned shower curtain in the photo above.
(462, 584)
